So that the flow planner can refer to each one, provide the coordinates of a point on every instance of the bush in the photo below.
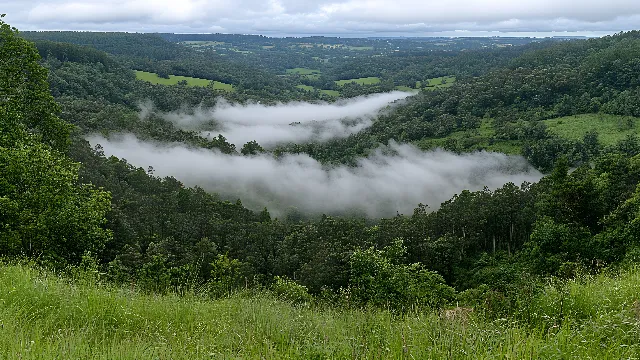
(379, 279)
(290, 291)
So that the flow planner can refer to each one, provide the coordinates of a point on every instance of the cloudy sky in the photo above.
(330, 17)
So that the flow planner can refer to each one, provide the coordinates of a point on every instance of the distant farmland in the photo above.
(174, 80)
(361, 81)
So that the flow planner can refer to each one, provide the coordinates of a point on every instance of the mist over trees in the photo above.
(62, 198)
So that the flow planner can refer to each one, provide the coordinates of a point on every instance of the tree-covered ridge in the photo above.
(151, 53)
(569, 78)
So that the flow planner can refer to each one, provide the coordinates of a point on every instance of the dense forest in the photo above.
(66, 205)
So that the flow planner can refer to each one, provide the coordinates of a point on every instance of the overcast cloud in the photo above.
(341, 17)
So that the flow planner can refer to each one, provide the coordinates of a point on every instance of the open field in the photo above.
(473, 139)
(308, 73)
(361, 81)
(610, 128)
(174, 80)
(432, 84)
(45, 317)
(439, 82)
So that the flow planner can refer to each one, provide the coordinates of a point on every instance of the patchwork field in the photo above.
(308, 73)
(610, 128)
(479, 138)
(439, 82)
(361, 81)
(174, 80)
(431, 84)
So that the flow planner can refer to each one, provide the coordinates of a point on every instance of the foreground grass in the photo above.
(173, 80)
(43, 316)
(610, 128)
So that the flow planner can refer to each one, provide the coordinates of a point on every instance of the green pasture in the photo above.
(361, 81)
(174, 80)
(610, 128)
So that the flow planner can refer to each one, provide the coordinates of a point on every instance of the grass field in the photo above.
(43, 316)
(173, 80)
(610, 128)
(432, 84)
(439, 82)
(478, 138)
(361, 81)
(308, 73)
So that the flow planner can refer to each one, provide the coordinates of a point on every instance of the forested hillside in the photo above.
(512, 253)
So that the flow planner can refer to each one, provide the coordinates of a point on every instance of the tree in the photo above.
(44, 212)
(26, 105)
(251, 148)
(379, 278)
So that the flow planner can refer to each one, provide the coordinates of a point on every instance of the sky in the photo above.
(355, 18)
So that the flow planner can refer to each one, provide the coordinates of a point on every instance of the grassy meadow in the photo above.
(174, 80)
(308, 73)
(44, 316)
(610, 128)
(361, 81)
(439, 82)
(431, 84)
(477, 139)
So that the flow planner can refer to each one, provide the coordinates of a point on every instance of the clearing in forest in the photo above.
(362, 81)
(174, 80)
(610, 128)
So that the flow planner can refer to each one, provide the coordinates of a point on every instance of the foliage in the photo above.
(44, 212)
(379, 278)
(44, 316)
(290, 291)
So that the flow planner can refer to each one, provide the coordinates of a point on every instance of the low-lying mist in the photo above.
(380, 185)
(282, 123)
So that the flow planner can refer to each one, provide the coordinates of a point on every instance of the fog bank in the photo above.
(380, 185)
(281, 123)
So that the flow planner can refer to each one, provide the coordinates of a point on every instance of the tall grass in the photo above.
(43, 316)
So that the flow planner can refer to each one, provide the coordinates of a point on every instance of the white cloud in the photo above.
(290, 122)
(380, 185)
(325, 16)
